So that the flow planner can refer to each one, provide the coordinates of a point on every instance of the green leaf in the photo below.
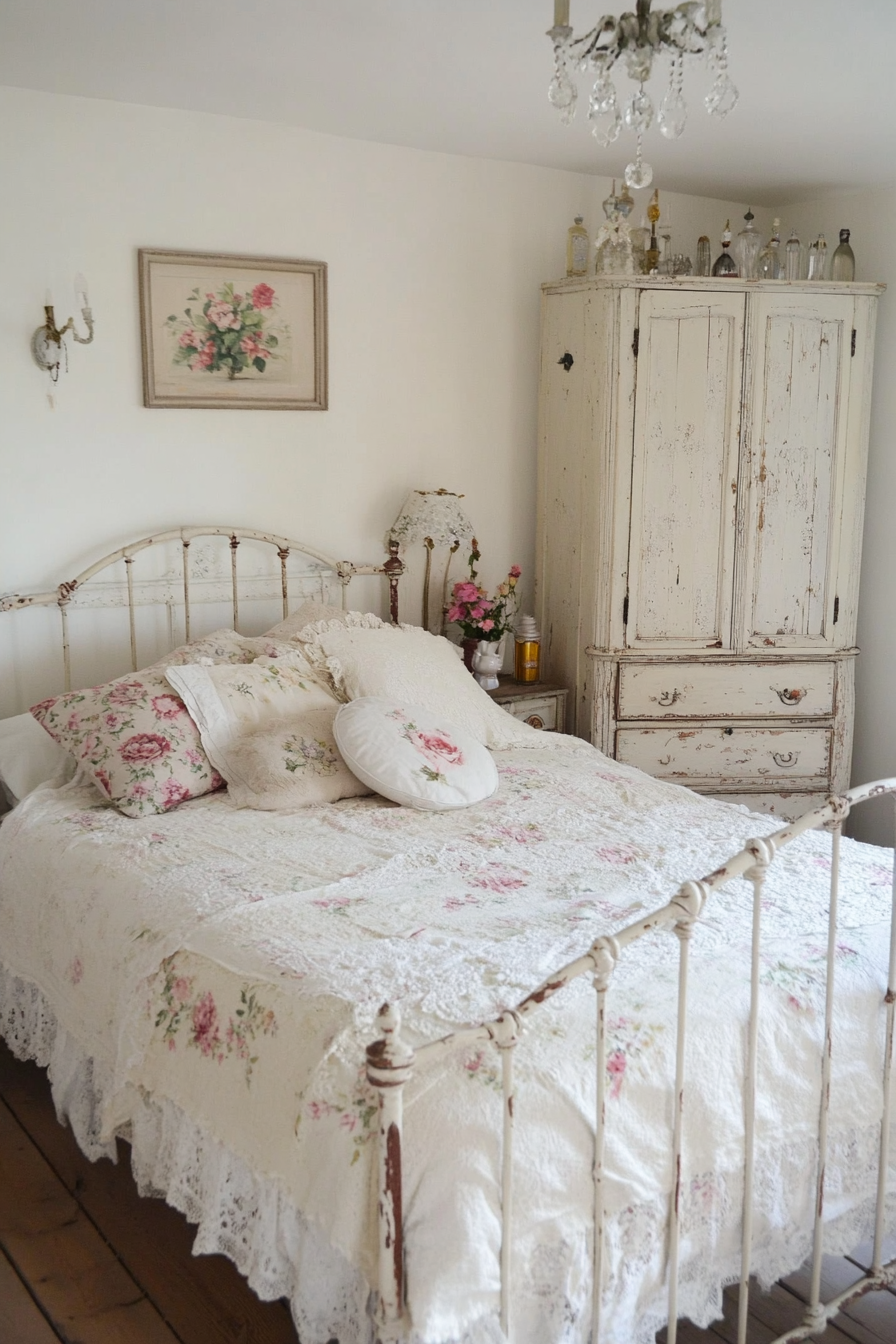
(259, 363)
(272, 341)
(173, 316)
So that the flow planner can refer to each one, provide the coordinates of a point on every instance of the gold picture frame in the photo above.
(233, 332)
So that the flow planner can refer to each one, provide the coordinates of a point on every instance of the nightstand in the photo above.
(535, 702)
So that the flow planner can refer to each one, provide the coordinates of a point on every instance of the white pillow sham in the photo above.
(28, 757)
(267, 728)
(414, 757)
(412, 667)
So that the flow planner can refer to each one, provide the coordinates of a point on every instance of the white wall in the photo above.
(434, 267)
(869, 216)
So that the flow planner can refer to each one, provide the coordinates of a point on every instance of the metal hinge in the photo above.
(625, 610)
(636, 341)
(836, 609)
(852, 348)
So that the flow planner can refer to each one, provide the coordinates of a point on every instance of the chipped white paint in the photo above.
(700, 752)
(701, 497)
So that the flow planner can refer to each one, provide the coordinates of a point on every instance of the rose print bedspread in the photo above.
(224, 967)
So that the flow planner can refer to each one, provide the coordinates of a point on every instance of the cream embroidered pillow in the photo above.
(413, 756)
(413, 667)
(268, 729)
(307, 614)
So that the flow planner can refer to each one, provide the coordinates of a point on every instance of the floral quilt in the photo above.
(227, 966)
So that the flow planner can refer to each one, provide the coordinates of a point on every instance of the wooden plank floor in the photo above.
(85, 1260)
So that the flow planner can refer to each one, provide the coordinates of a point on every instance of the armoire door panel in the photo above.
(685, 470)
(801, 356)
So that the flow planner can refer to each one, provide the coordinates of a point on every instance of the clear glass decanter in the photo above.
(818, 252)
(793, 257)
(724, 264)
(746, 248)
(770, 265)
(703, 264)
(843, 262)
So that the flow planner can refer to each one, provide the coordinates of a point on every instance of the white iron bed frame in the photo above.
(391, 1062)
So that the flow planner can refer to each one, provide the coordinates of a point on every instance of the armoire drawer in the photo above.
(725, 690)
(727, 753)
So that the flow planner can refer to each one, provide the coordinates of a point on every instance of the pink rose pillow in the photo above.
(412, 755)
(134, 734)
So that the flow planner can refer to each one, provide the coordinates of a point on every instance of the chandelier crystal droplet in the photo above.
(692, 30)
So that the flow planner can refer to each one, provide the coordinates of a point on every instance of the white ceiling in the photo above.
(817, 109)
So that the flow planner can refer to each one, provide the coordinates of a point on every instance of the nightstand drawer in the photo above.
(540, 706)
(730, 754)
(725, 690)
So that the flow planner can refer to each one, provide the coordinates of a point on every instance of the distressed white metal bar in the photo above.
(683, 931)
(814, 1309)
(605, 953)
(505, 1034)
(128, 568)
(389, 1065)
(234, 543)
(66, 650)
(186, 555)
(283, 553)
(884, 1167)
(765, 852)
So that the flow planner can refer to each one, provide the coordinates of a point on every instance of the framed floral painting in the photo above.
(242, 333)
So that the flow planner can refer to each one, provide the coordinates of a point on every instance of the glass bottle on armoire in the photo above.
(770, 265)
(843, 262)
(724, 264)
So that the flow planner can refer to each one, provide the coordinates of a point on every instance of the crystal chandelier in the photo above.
(690, 29)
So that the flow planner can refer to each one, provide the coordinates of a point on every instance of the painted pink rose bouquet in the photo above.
(478, 615)
(226, 332)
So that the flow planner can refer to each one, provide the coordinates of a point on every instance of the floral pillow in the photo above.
(268, 729)
(413, 756)
(134, 735)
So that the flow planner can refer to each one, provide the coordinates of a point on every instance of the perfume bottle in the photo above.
(640, 243)
(577, 248)
(703, 265)
(724, 262)
(746, 248)
(527, 650)
(843, 262)
(770, 265)
(793, 257)
(818, 252)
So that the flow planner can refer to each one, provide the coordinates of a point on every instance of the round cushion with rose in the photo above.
(413, 756)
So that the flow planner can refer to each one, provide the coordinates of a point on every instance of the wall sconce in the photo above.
(436, 518)
(47, 345)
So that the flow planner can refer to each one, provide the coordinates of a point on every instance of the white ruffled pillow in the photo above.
(308, 613)
(28, 757)
(412, 667)
(413, 756)
(267, 728)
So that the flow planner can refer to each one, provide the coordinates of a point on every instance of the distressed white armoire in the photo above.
(701, 489)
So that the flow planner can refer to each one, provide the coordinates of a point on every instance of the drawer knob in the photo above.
(783, 761)
(668, 698)
(535, 721)
(789, 697)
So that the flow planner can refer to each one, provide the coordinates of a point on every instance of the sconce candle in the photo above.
(47, 342)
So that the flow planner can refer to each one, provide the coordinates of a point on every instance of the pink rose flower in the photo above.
(74, 722)
(616, 1070)
(144, 747)
(167, 706)
(188, 338)
(181, 989)
(174, 793)
(221, 314)
(466, 592)
(515, 571)
(438, 749)
(209, 295)
(127, 693)
(205, 1025)
(487, 625)
(262, 296)
(455, 614)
